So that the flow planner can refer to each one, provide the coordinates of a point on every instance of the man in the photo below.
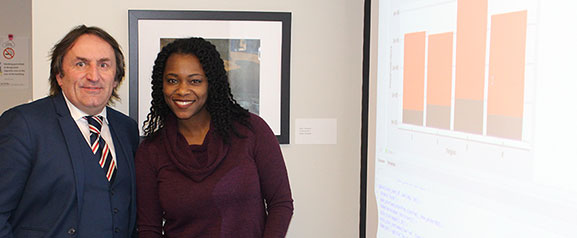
(65, 171)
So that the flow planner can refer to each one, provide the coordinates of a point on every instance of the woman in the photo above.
(208, 167)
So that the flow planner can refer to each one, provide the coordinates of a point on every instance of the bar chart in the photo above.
(471, 79)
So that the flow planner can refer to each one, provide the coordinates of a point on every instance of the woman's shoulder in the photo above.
(151, 143)
(256, 121)
(252, 124)
(258, 125)
(150, 151)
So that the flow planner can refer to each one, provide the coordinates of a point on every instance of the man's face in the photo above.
(88, 72)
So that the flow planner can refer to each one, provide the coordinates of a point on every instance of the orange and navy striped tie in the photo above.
(100, 148)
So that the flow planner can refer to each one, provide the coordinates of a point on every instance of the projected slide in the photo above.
(476, 119)
(433, 53)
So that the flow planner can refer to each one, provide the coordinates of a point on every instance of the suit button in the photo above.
(116, 229)
(112, 192)
(71, 231)
(115, 210)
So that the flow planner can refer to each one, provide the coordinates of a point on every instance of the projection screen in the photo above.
(476, 119)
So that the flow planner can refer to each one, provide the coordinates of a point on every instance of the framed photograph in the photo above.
(255, 47)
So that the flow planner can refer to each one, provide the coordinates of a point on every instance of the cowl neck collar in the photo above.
(180, 154)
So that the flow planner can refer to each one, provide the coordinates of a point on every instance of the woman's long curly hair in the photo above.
(221, 106)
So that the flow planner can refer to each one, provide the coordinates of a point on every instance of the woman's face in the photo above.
(185, 86)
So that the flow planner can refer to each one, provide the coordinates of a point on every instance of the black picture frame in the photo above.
(277, 88)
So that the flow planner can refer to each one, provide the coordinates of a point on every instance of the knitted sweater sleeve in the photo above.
(274, 180)
(149, 222)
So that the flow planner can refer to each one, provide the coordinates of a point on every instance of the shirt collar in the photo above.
(78, 114)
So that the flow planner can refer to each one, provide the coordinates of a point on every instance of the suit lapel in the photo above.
(123, 148)
(73, 142)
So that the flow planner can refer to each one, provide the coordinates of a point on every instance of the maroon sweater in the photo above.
(240, 189)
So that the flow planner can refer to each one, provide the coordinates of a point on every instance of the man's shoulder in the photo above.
(36, 114)
(120, 121)
(113, 114)
(40, 107)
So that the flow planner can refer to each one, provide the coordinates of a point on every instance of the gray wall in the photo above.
(326, 77)
(17, 20)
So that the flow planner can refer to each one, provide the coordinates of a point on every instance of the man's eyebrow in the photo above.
(104, 59)
(99, 60)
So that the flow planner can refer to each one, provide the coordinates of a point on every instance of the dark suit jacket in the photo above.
(41, 182)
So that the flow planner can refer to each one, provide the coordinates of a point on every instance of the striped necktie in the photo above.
(100, 148)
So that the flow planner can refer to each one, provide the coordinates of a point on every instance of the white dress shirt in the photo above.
(78, 117)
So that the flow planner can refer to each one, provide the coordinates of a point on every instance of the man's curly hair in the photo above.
(221, 106)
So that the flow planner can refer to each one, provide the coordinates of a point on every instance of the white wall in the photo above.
(16, 21)
(326, 77)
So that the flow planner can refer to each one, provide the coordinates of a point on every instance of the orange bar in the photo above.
(439, 69)
(470, 52)
(470, 65)
(507, 64)
(414, 71)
